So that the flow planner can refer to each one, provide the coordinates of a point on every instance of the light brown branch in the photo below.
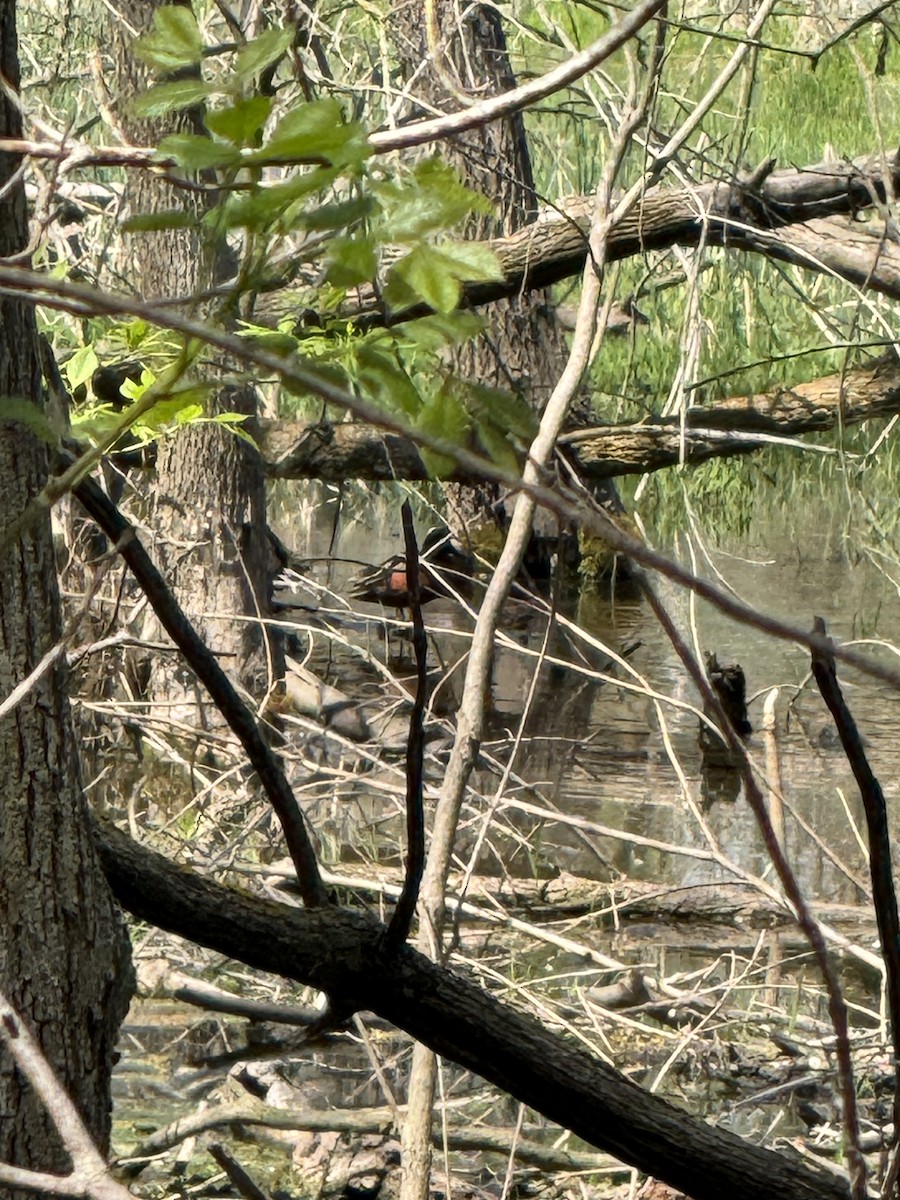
(498, 107)
(90, 1175)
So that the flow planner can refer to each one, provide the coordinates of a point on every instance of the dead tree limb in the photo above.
(804, 216)
(344, 953)
(738, 425)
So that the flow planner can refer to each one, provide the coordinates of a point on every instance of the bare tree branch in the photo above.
(90, 1176)
(740, 424)
(343, 953)
(521, 97)
(884, 894)
(203, 663)
(402, 918)
(356, 1120)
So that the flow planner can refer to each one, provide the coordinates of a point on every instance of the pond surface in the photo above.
(612, 747)
(623, 752)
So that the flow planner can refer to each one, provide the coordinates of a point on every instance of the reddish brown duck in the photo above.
(443, 569)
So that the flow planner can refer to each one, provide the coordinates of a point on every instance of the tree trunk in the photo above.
(523, 349)
(64, 952)
(210, 503)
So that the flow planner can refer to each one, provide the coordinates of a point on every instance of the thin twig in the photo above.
(884, 895)
(873, 14)
(521, 97)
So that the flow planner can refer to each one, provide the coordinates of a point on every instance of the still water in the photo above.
(588, 768)
(618, 746)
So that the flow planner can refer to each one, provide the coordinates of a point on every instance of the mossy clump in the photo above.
(599, 561)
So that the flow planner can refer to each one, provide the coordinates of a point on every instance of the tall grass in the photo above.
(759, 324)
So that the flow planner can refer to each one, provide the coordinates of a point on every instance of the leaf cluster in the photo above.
(297, 180)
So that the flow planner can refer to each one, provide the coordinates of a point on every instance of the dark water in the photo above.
(623, 752)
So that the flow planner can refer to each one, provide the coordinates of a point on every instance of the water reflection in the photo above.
(617, 745)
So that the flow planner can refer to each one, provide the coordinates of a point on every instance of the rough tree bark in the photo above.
(209, 501)
(64, 952)
(523, 349)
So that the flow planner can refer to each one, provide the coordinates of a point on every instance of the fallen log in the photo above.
(359, 1121)
(615, 904)
(803, 216)
(335, 452)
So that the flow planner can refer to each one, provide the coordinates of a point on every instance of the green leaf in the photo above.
(433, 200)
(338, 215)
(197, 153)
(397, 294)
(327, 372)
(175, 410)
(350, 261)
(170, 97)
(314, 132)
(133, 389)
(230, 418)
(255, 56)
(151, 222)
(443, 416)
(424, 271)
(385, 380)
(504, 410)
(437, 330)
(233, 422)
(470, 261)
(240, 123)
(174, 41)
(95, 423)
(187, 413)
(275, 341)
(498, 447)
(80, 367)
(435, 274)
(137, 331)
(279, 202)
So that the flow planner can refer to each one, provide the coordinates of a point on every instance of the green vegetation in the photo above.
(755, 324)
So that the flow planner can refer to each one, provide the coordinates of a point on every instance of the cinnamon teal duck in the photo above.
(443, 569)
